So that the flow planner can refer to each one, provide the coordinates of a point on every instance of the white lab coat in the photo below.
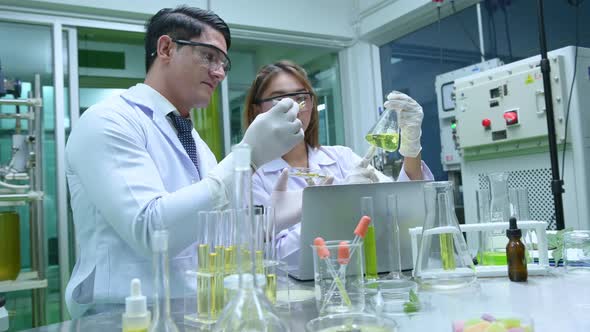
(128, 174)
(337, 161)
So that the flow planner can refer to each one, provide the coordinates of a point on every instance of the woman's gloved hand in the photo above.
(410, 116)
(362, 173)
(287, 204)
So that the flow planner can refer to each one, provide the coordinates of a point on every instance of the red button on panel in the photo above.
(486, 123)
(511, 117)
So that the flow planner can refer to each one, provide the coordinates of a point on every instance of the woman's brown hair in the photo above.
(262, 81)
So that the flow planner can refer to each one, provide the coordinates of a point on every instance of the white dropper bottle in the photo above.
(136, 317)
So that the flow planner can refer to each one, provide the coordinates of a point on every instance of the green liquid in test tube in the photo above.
(370, 246)
(447, 251)
(370, 243)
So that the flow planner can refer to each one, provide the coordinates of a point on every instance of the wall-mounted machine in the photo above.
(444, 86)
(501, 126)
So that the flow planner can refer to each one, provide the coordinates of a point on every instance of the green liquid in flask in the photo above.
(388, 141)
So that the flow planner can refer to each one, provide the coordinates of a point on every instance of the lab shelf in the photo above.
(31, 194)
(25, 281)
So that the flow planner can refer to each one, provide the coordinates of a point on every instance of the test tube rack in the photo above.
(539, 268)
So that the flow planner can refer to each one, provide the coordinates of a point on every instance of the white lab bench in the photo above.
(557, 303)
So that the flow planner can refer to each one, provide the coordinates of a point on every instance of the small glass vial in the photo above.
(515, 253)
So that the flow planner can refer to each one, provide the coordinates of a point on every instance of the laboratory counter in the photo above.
(558, 302)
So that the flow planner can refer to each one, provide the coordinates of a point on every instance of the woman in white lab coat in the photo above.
(271, 184)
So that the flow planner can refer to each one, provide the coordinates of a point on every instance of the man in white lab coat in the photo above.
(134, 162)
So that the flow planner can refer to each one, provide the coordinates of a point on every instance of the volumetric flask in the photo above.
(249, 309)
(493, 245)
(443, 261)
(499, 204)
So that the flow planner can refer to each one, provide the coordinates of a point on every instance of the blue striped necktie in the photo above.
(184, 127)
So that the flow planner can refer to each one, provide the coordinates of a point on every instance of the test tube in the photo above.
(203, 275)
(228, 219)
(370, 243)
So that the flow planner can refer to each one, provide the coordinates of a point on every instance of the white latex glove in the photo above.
(287, 204)
(363, 172)
(274, 133)
(409, 115)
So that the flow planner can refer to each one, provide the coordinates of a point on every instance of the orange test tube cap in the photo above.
(361, 227)
(323, 252)
(343, 253)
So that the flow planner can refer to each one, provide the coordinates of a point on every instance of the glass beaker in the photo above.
(576, 251)
(249, 309)
(345, 272)
(519, 203)
(9, 245)
(443, 259)
(385, 133)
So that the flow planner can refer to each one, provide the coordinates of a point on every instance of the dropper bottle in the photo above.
(162, 318)
(136, 317)
(515, 253)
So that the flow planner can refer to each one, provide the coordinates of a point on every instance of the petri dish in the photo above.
(351, 322)
(312, 177)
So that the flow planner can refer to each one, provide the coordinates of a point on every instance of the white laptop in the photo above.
(333, 212)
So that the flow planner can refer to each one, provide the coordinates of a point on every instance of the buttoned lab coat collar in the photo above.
(316, 158)
(158, 107)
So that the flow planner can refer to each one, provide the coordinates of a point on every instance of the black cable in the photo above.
(569, 98)
(507, 32)
(490, 39)
(495, 40)
(440, 38)
(465, 29)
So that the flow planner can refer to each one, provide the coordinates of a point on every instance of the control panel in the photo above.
(446, 95)
(506, 106)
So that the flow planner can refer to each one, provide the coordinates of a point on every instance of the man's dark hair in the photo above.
(182, 22)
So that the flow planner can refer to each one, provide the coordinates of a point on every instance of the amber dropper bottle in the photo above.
(515, 253)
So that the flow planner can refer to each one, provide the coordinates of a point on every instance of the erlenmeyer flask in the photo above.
(443, 261)
(385, 133)
(249, 309)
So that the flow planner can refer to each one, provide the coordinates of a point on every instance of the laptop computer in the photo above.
(333, 212)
